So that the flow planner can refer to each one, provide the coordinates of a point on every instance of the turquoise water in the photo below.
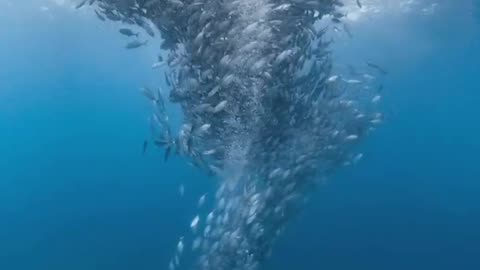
(77, 193)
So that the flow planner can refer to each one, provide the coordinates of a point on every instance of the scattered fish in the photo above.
(194, 223)
(158, 65)
(181, 190)
(167, 80)
(135, 44)
(351, 137)
(204, 128)
(196, 243)
(333, 78)
(209, 152)
(265, 110)
(128, 32)
(145, 145)
(352, 81)
(148, 29)
(368, 76)
(377, 67)
(201, 201)
(148, 93)
(359, 4)
(81, 4)
(180, 246)
(220, 106)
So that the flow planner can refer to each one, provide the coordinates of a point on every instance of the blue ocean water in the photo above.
(77, 193)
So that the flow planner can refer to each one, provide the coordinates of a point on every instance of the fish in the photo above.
(194, 223)
(332, 78)
(351, 137)
(135, 44)
(157, 65)
(176, 2)
(359, 4)
(376, 99)
(210, 218)
(81, 4)
(196, 243)
(336, 20)
(202, 199)
(204, 128)
(161, 142)
(204, 107)
(168, 150)
(357, 158)
(100, 16)
(220, 106)
(176, 259)
(145, 145)
(377, 67)
(180, 246)
(376, 121)
(209, 152)
(213, 91)
(148, 29)
(282, 7)
(148, 93)
(368, 76)
(128, 32)
(167, 80)
(352, 81)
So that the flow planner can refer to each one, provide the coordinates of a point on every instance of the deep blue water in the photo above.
(77, 193)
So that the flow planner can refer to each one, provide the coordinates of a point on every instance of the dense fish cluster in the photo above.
(263, 112)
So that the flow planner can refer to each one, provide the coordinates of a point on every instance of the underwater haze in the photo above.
(83, 185)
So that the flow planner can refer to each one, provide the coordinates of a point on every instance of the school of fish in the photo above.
(263, 112)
